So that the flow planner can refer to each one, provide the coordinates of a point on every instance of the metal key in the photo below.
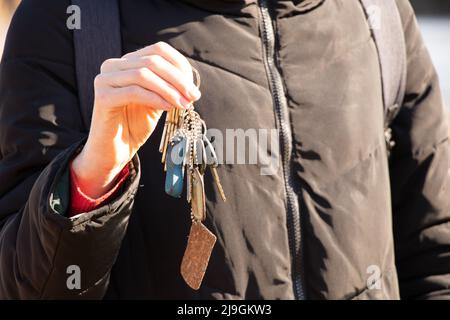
(213, 163)
(216, 177)
(198, 204)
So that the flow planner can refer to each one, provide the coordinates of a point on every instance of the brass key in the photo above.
(198, 196)
(216, 177)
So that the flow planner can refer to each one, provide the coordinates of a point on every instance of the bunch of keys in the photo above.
(188, 153)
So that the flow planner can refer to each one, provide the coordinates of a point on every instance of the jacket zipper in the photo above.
(283, 122)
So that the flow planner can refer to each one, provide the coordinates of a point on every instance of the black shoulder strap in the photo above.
(390, 41)
(98, 39)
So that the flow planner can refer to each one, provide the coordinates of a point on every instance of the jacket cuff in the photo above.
(80, 202)
(89, 240)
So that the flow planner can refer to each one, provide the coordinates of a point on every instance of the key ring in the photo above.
(197, 80)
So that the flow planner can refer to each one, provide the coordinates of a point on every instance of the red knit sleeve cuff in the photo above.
(80, 202)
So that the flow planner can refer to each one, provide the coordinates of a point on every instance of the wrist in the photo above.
(94, 175)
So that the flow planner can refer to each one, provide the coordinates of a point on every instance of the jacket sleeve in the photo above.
(43, 254)
(420, 176)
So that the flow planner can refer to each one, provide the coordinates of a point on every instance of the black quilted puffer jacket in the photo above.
(337, 216)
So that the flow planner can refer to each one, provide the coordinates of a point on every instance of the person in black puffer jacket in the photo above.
(335, 209)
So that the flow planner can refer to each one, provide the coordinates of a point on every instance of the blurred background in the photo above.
(434, 18)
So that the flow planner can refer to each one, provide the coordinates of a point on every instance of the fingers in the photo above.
(135, 95)
(167, 52)
(146, 79)
(161, 67)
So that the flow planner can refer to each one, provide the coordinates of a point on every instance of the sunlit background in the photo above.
(434, 18)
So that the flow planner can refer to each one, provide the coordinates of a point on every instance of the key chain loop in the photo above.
(197, 82)
(197, 79)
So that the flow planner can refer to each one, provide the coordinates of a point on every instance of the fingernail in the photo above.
(195, 93)
(185, 103)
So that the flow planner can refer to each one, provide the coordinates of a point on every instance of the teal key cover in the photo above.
(175, 158)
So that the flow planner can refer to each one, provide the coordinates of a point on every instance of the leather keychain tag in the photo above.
(196, 257)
